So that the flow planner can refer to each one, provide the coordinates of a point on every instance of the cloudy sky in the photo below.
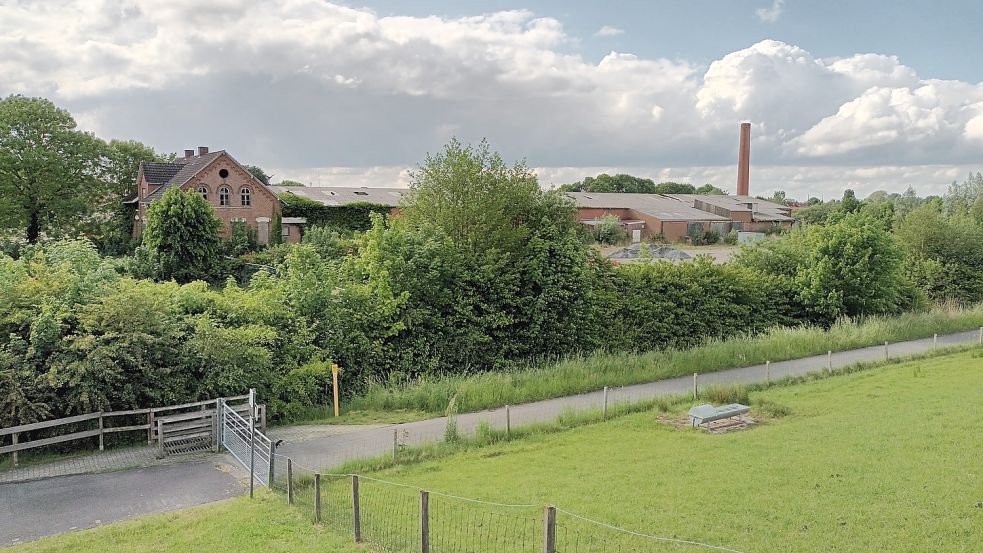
(868, 95)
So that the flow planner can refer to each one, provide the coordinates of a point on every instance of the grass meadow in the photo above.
(475, 392)
(884, 459)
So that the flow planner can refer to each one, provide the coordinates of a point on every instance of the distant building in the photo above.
(677, 216)
(673, 216)
(234, 193)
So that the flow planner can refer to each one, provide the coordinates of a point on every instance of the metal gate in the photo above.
(252, 448)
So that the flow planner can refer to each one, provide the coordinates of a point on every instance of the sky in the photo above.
(840, 94)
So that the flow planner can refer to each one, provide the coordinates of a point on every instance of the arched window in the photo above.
(203, 190)
(245, 196)
(223, 195)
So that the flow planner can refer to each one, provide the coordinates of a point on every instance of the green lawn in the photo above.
(884, 460)
(888, 459)
(262, 525)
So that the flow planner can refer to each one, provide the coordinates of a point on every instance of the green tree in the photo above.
(612, 183)
(49, 170)
(853, 267)
(944, 253)
(849, 203)
(259, 174)
(288, 182)
(114, 235)
(674, 188)
(183, 234)
(710, 190)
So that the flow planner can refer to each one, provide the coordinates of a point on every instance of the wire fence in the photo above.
(400, 518)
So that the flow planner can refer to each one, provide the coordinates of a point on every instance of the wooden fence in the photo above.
(157, 418)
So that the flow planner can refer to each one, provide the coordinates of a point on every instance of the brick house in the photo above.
(234, 193)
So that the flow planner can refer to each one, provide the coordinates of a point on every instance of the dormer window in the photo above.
(223, 196)
(203, 190)
(245, 196)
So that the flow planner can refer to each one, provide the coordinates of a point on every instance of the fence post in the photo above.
(290, 481)
(768, 372)
(395, 443)
(981, 334)
(252, 441)
(13, 440)
(219, 421)
(262, 423)
(317, 497)
(549, 530)
(695, 389)
(150, 427)
(272, 475)
(605, 402)
(508, 421)
(886, 356)
(829, 360)
(356, 510)
(935, 342)
(101, 433)
(424, 521)
(160, 438)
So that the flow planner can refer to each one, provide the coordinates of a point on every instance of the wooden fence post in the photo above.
(317, 497)
(290, 481)
(13, 441)
(829, 360)
(935, 342)
(768, 372)
(424, 521)
(356, 510)
(605, 402)
(887, 357)
(549, 530)
(150, 427)
(981, 334)
(160, 438)
(508, 421)
(695, 389)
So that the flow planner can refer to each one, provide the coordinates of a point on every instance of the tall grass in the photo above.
(592, 372)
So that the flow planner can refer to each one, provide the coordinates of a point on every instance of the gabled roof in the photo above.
(660, 206)
(177, 173)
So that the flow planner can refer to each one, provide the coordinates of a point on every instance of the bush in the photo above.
(711, 237)
(609, 231)
(731, 238)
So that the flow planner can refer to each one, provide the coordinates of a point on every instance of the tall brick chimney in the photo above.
(744, 161)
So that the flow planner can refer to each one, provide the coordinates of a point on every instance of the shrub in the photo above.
(731, 238)
(183, 234)
(609, 231)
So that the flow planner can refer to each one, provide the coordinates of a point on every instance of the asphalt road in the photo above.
(29, 510)
(324, 453)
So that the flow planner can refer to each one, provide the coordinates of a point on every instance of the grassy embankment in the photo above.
(885, 459)
(592, 372)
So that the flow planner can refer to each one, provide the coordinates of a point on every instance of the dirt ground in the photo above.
(720, 253)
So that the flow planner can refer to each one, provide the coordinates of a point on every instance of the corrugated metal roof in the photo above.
(337, 195)
(660, 206)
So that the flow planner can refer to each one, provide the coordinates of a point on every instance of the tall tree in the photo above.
(183, 233)
(259, 173)
(49, 170)
(123, 164)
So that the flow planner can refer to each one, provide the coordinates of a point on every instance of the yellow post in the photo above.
(334, 382)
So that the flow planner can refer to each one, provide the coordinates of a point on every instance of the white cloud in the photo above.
(293, 84)
(771, 15)
(609, 31)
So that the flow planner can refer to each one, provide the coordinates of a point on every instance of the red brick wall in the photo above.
(263, 203)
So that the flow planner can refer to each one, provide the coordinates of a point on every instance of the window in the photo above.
(203, 190)
(223, 173)
(223, 195)
(244, 197)
(285, 231)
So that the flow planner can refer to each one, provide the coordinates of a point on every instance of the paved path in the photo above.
(32, 509)
(325, 453)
